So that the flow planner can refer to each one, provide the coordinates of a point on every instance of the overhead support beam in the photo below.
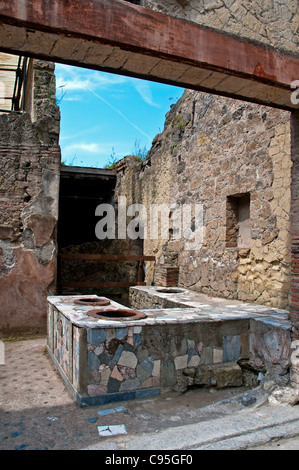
(119, 37)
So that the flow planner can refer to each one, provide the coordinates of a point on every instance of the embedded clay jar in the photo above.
(170, 290)
(119, 314)
(101, 302)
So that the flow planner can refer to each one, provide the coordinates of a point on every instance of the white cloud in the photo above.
(93, 154)
(74, 79)
(72, 98)
(106, 148)
(73, 85)
(83, 133)
(145, 92)
(92, 147)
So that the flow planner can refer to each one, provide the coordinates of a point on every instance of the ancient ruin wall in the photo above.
(29, 181)
(145, 183)
(213, 151)
(270, 22)
(221, 150)
(234, 150)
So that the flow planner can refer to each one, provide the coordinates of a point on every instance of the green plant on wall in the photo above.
(180, 124)
(139, 152)
(112, 160)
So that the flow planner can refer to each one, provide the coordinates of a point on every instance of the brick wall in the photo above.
(166, 276)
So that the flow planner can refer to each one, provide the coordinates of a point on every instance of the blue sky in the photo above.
(105, 117)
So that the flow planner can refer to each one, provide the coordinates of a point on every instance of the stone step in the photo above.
(244, 429)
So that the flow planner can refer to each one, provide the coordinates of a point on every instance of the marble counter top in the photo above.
(199, 310)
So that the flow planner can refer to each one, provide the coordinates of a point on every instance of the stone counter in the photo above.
(157, 297)
(105, 361)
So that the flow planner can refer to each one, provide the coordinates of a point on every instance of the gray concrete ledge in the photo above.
(240, 431)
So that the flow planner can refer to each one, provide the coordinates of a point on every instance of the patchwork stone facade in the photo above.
(29, 182)
(222, 154)
(116, 364)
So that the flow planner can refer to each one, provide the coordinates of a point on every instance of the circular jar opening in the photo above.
(170, 291)
(92, 301)
(116, 314)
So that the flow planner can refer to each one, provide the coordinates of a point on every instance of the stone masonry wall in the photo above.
(235, 148)
(145, 183)
(275, 24)
(29, 182)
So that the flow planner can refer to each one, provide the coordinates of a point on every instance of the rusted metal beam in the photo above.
(128, 39)
(142, 30)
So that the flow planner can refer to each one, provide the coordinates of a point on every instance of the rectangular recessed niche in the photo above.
(238, 221)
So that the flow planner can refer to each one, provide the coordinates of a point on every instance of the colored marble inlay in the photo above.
(171, 348)
(115, 363)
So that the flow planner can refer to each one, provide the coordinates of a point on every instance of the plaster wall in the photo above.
(29, 183)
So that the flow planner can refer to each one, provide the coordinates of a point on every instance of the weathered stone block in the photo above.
(128, 359)
(96, 336)
(228, 376)
(181, 362)
(231, 348)
(168, 375)
(219, 375)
